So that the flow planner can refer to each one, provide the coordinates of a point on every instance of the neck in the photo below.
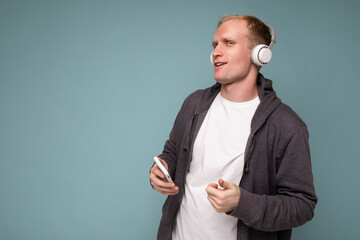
(240, 91)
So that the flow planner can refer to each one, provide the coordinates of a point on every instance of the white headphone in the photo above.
(260, 54)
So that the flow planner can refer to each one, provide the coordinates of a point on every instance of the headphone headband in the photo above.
(273, 36)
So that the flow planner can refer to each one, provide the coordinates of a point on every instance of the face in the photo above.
(231, 55)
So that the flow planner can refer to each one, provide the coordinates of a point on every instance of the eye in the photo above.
(229, 43)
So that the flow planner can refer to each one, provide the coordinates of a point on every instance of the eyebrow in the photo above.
(214, 43)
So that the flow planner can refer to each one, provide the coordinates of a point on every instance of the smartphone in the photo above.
(163, 169)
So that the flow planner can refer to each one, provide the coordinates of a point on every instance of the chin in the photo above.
(223, 81)
(219, 81)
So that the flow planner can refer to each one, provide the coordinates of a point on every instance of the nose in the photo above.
(216, 53)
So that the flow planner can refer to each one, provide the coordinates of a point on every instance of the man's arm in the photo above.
(157, 178)
(169, 155)
(295, 200)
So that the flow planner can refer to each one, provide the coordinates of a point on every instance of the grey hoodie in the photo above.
(277, 191)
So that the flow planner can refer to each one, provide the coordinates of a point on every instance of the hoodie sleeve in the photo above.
(295, 200)
(172, 145)
(169, 152)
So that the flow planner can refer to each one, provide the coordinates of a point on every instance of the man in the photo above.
(239, 157)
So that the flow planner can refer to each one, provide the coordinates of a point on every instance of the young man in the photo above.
(239, 157)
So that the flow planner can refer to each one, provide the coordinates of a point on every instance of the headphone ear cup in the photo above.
(211, 58)
(261, 55)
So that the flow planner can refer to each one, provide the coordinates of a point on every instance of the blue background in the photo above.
(89, 91)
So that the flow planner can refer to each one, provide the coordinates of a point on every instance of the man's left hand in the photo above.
(223, 200)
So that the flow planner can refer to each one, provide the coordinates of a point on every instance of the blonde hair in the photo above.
(259, 32)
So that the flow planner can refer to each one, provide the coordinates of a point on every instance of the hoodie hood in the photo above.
(268, 101)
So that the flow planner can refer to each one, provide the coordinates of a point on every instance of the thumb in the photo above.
(214, 185)
(224, 184)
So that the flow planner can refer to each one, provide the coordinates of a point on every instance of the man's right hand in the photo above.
(159, 183)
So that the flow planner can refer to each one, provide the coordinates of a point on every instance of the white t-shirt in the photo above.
(218, 153)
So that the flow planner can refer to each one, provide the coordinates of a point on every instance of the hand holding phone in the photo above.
(157, 181)
(163, 169)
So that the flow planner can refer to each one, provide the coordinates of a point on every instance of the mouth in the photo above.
(219, 64)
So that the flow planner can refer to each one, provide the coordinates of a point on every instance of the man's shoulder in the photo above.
(286, 118)
(208, 90)
(201, 94)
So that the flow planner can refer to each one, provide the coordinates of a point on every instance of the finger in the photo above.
(164, 163)
(172, 189)
(211, 185)
(164, 187)
(224, 184)
(160, 182)
(214, 185)
(213, 203)
(167, 191)
(212, 189)
(157, 172)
